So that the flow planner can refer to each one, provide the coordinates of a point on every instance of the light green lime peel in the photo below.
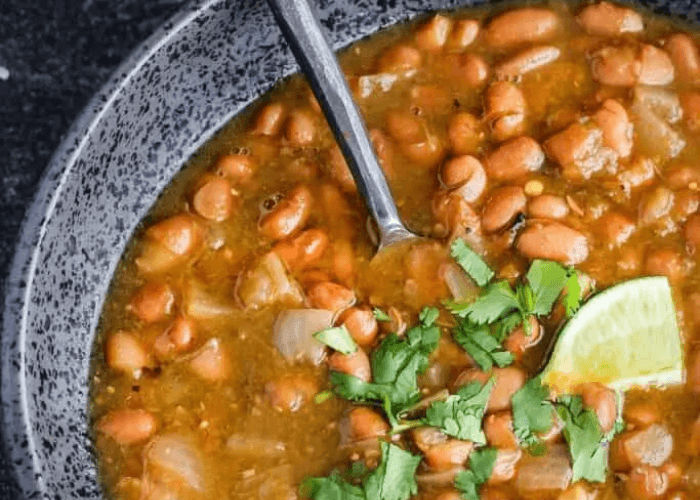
(623, 337)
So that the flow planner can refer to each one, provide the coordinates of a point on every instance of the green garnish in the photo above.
(470, 261)
(546, 279)
(460, 415)
(322, 397)
(532, 413)
(481, 464)
(572, 298)
(393, 479)
(495, 301)
(484, 348)
(381, 315)
(337, 338)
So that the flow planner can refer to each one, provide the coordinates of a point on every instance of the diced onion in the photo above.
(293, 334)
(253, 446)
(267, 283)
(656, 136)
(458, 282)
(200, 304)
(175, 455)
(545, 473)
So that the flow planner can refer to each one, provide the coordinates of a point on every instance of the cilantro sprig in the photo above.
(481, 345)
(533, 413)
(470, 261)
(337, 338)
(481, 464)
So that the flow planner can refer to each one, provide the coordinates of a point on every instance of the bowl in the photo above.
(169, 97)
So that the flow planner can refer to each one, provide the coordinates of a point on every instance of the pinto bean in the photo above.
(300, 129)
(502, 207)
(340, 172)
(690, 102)
(687, 202)
(331, 296)
(505, 466)
(656, 67)
(214, 199)
(548, 206)
(365, 423)
(602, 401)
(290, 392)
(355, 364)
(404, 126)
(514, 159)
(432, 35)
(458, 218)
(238, 169)
(579, 150)
(127, 426)
(399, 58)
(125, 353)
(646, 483)
(465, 133)
(211, 362)
(616, 228)
(169, 243)
(269, 119)
(463, 34)
(302, 250)
(617, 129)
(498, 428)
(655, 204)
(505, 110)
(466, 175)
(682, 176)
(361, 324)
(616, 66)
(447, 455)
(290, 214)
(641, 414)
(692, 231)
(553, 241)
(685, 56)
(606, 19)
(427, 153)
(665, 262)
(526, 61)
(431, 98)
(469, 70)
(343, 262)
(521, 26)
(519, 341)
(152, 302)
(508, 381)
(177, 338)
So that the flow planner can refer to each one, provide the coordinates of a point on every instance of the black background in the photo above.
(58, 53)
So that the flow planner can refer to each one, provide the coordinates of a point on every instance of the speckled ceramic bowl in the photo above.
(194, 74)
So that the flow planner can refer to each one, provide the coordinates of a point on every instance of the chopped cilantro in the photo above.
(573, 298)
(483, 347)
(532, 413)
(337, 338)
(470, 261)
(428, 316)
(495, 301)
(460, 415)
(546, 279)
(505, 326)
(481, 464)
(393, 479)
(381, 315)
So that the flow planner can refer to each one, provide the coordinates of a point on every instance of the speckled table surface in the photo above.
(55, 55)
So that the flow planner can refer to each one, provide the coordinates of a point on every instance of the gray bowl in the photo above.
(177, 89)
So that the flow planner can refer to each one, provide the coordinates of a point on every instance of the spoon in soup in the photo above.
(303, 32)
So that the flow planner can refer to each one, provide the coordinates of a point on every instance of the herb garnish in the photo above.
(481, 464)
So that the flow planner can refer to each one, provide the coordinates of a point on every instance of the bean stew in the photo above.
(251, 348)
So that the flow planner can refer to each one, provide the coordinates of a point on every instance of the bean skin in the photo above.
(177, 338)
(355, 364)
(269, 119)
(213, 199)
(152, 302)
(514, 159)
(127, 426)
(606, 19)
(432, 35)
(290, 393)
(498, 428)
(399, 58)
(361, 324)
(502, 207)
(463, 34)
(548, 206)
(302, 250)
(656, 67)
(665, 262)
(365, 423)
(465, 133)
(125, 353)
(617, 129)
(685, 56)
(464, 174)
(331, 296)
(617, 228)
(692, 232)
(300, 129)
(553, 241)
(690, 102)
(290, 214)
(525, 62)
(521, 26)
(602, 401)
(238, 169)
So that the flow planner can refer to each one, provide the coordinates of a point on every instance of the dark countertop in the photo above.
(58, 54)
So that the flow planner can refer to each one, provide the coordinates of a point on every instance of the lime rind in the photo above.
(625, 336)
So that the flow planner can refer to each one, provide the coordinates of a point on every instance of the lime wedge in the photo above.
(623, 337)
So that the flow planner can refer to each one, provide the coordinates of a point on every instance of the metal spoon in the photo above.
(318, 62)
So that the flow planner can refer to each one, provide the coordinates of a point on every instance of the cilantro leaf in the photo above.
(460, 415)
(505, 326)
(481, 464)
(337, 338)
(332, 487)
(470, 261)
(483, 347)
(587, 444)
(394, 478)
(428, 316)
(572, 298)
(496, 300)
(547, 279)
(381, 315)
(532, 412)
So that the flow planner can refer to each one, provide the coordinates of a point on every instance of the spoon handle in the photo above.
(318, 62)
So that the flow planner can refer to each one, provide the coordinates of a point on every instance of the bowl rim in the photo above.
(22, 268)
